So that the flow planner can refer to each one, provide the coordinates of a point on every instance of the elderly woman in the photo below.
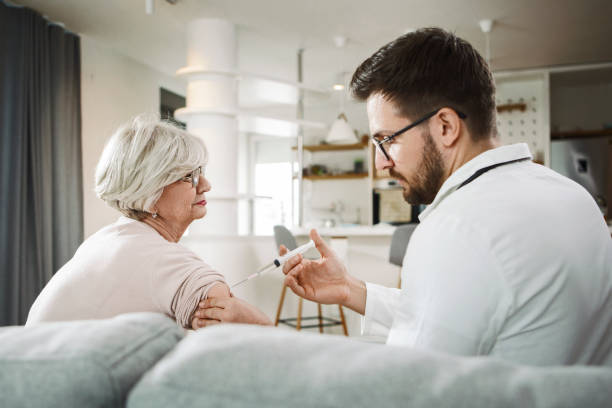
(152, 172)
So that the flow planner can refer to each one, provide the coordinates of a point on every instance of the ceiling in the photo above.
(526, 33)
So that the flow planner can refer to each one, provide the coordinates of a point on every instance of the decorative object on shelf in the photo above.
(509, 107)
(317, 170)
(358, 165)
(341, 132)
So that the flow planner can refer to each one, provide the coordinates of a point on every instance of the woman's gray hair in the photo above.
(140, 159)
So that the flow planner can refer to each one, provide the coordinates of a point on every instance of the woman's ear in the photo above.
(448, 125)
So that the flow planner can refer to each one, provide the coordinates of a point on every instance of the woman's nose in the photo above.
(203, 185)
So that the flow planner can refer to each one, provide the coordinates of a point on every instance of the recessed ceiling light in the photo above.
(340, 41)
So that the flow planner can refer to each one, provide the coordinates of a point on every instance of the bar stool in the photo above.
(284, 237)
(399, 244)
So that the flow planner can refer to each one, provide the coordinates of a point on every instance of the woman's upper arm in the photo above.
(181, 280)
(218, 290)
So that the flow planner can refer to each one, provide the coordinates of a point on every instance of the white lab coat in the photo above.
(516, 264)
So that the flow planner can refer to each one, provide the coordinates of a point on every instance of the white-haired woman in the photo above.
(152, 172)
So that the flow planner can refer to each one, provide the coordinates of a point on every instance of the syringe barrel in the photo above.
(299, 250)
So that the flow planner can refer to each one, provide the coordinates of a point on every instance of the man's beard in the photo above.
(426, 182)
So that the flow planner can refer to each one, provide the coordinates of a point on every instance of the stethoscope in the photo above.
(482, 171)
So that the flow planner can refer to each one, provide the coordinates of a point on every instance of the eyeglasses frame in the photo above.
(193, 177)
(379, 143)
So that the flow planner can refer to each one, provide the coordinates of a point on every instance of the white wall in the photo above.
(113, 89)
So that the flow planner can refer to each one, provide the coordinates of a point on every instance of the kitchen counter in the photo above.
(350, 231)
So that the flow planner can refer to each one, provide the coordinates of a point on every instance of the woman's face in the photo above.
(181, 203)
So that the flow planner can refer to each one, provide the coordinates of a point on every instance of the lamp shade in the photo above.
(341, 132)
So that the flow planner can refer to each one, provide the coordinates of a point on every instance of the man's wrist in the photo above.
(356, 299)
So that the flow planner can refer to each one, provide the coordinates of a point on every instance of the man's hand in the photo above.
(227, 310)
(324, 280)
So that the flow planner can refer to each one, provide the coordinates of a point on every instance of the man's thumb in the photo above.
(322, 247)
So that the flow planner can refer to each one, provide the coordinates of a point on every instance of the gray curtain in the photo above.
(41, 198)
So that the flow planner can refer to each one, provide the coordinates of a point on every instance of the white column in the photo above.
(211, 114)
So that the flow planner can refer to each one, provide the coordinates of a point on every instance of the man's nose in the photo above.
(380, 161)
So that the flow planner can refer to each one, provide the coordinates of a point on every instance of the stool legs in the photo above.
(343, 321)
(399, 280)
(280, 304)
(298, 324)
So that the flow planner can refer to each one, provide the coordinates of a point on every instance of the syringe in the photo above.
(278, 262)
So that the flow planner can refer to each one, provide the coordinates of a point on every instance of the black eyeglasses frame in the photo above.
(379, 143)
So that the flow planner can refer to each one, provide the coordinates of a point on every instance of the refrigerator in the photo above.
(586, 161)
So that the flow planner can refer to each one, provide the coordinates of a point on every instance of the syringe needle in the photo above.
(242, 281)
(277, 262)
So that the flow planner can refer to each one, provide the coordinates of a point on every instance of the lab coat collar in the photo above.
(485, 159)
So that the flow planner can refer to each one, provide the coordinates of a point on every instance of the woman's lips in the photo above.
(203, 202)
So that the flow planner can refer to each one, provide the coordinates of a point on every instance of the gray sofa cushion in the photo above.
(91, 363)
(246, 366)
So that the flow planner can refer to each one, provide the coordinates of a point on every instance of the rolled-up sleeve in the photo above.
(381, 303)
(179, 281)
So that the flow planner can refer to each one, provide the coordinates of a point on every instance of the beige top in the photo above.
(126, 267)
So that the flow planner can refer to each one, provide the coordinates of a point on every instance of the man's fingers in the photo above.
(291, 263)
(282, 250)
(322, 247)
(294, 286)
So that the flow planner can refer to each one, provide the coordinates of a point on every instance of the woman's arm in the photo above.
(220, 290)
(227, 310)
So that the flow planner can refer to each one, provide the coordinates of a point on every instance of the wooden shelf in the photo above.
(332, 147)
(509, 107)
(578, 134)
(337, 176)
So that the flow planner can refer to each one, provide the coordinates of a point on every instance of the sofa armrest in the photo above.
(91, 363)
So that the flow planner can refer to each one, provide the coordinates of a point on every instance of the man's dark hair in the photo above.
(429, 69)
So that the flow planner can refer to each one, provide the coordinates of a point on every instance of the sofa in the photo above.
(145, 360)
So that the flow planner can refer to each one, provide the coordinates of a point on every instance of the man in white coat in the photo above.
(510, 259)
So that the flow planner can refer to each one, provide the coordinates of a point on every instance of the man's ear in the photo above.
(447, 125)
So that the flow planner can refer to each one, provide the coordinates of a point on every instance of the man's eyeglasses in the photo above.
(193, 177)
(380, 144)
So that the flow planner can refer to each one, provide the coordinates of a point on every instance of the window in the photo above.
(272, 180)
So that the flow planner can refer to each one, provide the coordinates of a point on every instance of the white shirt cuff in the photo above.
(381, 303)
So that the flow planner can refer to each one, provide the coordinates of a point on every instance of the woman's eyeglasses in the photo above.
(193, 177)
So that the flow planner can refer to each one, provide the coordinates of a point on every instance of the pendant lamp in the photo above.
(341, 132)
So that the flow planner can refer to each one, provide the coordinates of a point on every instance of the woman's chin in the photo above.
(199, 212)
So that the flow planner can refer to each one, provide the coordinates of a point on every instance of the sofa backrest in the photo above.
(249, 366)
(90, 363)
